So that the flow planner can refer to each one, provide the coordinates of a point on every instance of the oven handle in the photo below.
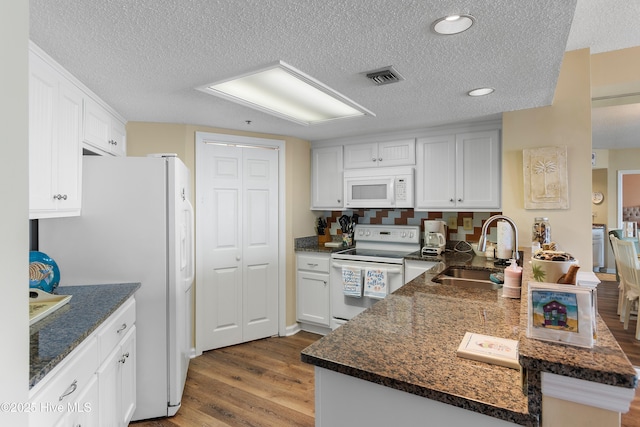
(389, 270)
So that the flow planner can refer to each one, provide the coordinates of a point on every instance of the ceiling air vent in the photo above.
(384, 76)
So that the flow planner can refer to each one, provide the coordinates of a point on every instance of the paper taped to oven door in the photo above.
(352, 281)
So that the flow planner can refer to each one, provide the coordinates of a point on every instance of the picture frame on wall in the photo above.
(546, 184)
(561, 313)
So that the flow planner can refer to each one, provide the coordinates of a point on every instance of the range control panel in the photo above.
(387, 233)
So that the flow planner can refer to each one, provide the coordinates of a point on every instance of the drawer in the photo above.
(116, 327)
(68, 381)
(313, 263)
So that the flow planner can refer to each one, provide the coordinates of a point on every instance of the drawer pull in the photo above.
(69, 390)
(122, 328)
(312, 264)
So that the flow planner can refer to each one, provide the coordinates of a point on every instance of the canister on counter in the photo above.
(541, 231)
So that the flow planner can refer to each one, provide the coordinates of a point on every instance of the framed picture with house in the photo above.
(561, 313)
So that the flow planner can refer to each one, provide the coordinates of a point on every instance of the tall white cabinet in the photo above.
(458, 171)
(326, 178)
(55, 137)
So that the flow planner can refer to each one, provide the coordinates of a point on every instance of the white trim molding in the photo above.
(589, 393)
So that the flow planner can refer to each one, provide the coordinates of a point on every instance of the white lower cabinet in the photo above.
(117, 385)
(313, 289)
(95, 385)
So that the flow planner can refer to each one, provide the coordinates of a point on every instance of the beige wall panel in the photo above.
(565, 123)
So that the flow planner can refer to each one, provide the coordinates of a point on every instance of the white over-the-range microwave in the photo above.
(379, 187)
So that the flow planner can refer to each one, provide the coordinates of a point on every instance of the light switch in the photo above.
(452, 222)
(467, 223)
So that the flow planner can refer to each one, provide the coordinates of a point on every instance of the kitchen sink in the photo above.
(471, 278)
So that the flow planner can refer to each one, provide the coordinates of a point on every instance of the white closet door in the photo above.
(237, 229)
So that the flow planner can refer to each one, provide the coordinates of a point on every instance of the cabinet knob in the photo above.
(339, 201)
(237, 257)
(459, 200)
(374, 159)
(379, 159)
(451, 200)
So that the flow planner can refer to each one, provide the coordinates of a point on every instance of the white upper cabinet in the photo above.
(103, 131)
(326, 178)
(371, 155)
(64, 118)
(55, 136)
(459, 171)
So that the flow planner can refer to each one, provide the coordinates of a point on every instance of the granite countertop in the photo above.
(54, 337)
(417, 330)
(310, 244)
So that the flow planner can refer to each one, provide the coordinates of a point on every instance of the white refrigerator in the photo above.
(137, 225)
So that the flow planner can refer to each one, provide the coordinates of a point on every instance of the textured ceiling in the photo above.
(145, 58)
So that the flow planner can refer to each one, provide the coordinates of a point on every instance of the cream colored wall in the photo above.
(565, 123)
(144, 138)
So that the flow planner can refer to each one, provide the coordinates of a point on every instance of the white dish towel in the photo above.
(352, 281)
(375, 283)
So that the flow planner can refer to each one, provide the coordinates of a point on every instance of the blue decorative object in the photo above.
(43, 272)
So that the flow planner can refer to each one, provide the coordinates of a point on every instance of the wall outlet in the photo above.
(452, 222)
(467, 223)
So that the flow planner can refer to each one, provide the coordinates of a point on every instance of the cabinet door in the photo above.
(55, 123)
(360, 156)
(108, 389)
(313, 297)
(435, 172)
(326, 178)
(478, 170)
(397, 153)
(69, 149)
(97, 126)
(128, 377)
(117, 383)
(43, 95)
(118, 139)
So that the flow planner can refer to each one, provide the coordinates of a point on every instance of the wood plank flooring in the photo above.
(263, 383)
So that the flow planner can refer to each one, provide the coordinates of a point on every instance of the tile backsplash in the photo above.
(412, 217)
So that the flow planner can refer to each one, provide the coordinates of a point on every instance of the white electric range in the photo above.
(378, 248)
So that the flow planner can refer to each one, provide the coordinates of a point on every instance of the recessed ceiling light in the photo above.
(481, 91)
(453, 24)
(283, 91)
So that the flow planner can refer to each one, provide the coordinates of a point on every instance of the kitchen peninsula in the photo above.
(379, 367)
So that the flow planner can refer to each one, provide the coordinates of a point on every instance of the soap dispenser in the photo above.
(512, 280)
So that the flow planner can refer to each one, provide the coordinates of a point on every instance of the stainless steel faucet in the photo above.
(482, 243)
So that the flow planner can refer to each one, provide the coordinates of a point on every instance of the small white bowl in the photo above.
(549, 271)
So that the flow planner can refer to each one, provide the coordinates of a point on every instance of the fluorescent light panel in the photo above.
(286, 92)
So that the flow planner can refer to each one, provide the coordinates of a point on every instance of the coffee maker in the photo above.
(434, 237)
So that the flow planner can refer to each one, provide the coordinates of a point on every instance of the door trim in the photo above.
(248, 141)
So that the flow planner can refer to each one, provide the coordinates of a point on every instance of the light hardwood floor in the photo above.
(264, 384)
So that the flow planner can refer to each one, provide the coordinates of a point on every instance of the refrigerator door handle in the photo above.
(191, 275)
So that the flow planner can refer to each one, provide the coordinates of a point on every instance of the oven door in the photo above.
(346, 307)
